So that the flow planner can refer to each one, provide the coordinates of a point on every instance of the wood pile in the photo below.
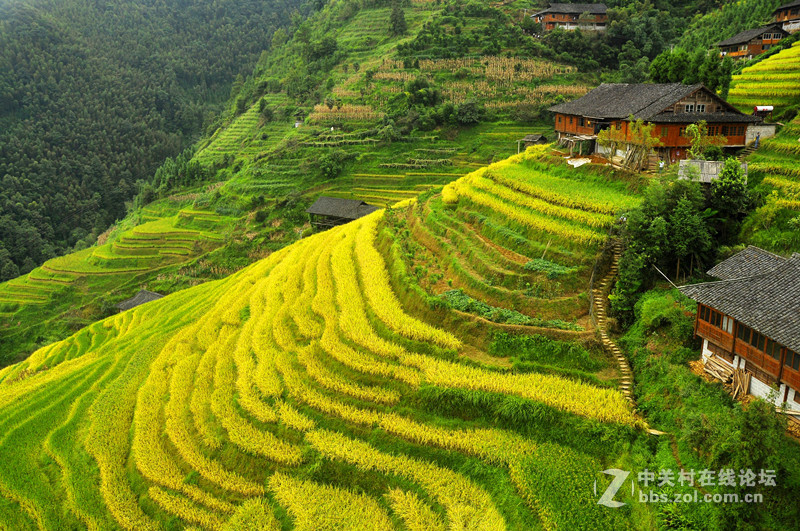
(719, 369)
(740, 383)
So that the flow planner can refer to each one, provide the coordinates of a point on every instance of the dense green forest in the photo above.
(95, 95)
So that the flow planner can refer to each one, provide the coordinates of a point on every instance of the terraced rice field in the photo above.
(292, 393)
(555, 224)
(773, 81)
(775, 163)
(146, 247)
(246, 136)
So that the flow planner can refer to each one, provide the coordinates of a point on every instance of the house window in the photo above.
(582, 121)
(774, 349)
(689, 107)
(757, 341)
(682, 132)
(743, 333)
(727, 324)
(619, 126)
(570, 120)
(716, 319)
(724, 130)
(664, 131)
(793, 361)
(559, 119)
(701, 107)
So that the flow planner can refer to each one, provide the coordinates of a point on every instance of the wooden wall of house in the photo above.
(563, 125)
(790, 13)
(752, 48)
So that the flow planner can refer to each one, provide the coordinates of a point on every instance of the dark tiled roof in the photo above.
(140, 298)
(575, 9)
(646, 101)
(341, 208)
(533, 138)
(748, 35)
(620, 100)
(796, 3)
(768, 302)
(747, 263)
(712, 118)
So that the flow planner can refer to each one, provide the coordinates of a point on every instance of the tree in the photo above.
(730, 198)
(397, 21)
(700, 139)
(8, 270)
(469, 112)
(688, 232)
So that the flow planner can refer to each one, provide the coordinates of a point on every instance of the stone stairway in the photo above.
(747, 151)
(600, 308)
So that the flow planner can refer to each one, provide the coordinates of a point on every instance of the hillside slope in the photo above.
(372, 126)
(312, 385)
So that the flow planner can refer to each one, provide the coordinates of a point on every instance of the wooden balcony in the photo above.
(791, 378)
(716, 335)
(760, 359)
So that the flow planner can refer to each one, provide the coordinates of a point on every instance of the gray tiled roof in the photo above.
(646, 101)
(768, 302)
(341, 208)
(796, 3)
(140, 298)
(575, 9)
(748, 35)
(620, 100)
(747, 263)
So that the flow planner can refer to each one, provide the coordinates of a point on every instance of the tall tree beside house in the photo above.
(671, 230)
(731, 199)
(701, 141)
(397, 20)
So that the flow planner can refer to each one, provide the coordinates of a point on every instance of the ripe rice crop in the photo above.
(270, 382)
(314, 506)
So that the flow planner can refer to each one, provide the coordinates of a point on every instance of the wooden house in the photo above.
(327, 212)
(788, 16)
(751, 43)
(569, 17)
(137, 300)
(750, 320)
(671, 107)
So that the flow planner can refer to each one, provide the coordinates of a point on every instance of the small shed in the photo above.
(530, 140)
(327, 212)
(140, 298)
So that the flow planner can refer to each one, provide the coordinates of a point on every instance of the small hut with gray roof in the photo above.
(327, 212)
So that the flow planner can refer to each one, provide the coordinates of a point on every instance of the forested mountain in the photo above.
(95, 95)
